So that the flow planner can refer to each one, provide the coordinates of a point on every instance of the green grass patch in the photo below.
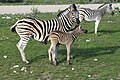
(53, 2)
(97, 59)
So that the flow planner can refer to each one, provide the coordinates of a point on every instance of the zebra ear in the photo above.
(78, 6)
(110, 4)
(73, 7)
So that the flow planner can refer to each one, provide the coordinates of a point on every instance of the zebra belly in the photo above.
(89, 19)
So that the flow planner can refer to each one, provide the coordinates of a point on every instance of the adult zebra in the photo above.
(88, 14)
(39, 29)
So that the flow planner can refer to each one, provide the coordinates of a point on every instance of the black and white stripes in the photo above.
(39, 29)
(88, 14)
(59, 37)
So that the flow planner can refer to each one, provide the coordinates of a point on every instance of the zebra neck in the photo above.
(103, 11)
(74, 34)
(65, 23)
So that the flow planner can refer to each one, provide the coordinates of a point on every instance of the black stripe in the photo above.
(69, 22)
(49, 26)
(66, 21)
(84, 12)
(39, 25)
(25, 38)
(82, 15)
(27, 29)
(44, 33)
(56, 23)
(59, 24)
(55, 34)
(30, 23)
(65, 26)
(53, 25)
(89, 12)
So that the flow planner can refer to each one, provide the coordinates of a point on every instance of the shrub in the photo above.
(11, 0)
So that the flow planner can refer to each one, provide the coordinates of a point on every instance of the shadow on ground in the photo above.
(84, 53)
(90, 52)
(102, 32)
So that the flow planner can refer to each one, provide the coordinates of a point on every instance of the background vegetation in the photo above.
(92, 57)
(27, 2)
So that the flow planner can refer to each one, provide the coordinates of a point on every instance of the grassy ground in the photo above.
(97, 59)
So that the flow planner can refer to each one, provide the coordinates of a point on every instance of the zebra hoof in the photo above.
(50, 62)
(56, 63)
(27, 62)
(97, 35)
(68, 62)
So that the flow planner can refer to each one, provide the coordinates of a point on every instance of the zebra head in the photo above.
(71, 12)
(108, 8)
(81, 30)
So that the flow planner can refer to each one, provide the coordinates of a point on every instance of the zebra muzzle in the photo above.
(77, 21)
(85, 31)
(112, 13)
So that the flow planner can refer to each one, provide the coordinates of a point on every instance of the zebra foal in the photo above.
(37, 29)
(88, 14)
(59, 37)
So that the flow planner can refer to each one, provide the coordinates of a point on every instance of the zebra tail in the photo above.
(46, 39)
(13, 27)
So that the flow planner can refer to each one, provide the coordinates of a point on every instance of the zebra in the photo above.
(59, 37)
(88, 14)
(37, 29)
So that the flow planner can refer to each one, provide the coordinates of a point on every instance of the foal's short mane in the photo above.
(73, 28)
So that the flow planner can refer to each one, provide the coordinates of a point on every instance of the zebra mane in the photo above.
(61, 12)
(29, 18)
(102, 5)
(73, 6)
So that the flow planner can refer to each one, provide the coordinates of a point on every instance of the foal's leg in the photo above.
(56, 51)
(68, 53)
(54, 43)
(21, 46)
(50, 51)
(54, 55)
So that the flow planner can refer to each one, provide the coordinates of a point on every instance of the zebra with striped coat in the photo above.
(88, 14)
(38, 29)
(59, 37)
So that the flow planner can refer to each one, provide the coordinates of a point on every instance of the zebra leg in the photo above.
(68, 53)
(96, 25)
(21, 46)
(50, 50)
(56, 51)
(55, 62)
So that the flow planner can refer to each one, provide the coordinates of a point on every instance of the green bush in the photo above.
(11, 0)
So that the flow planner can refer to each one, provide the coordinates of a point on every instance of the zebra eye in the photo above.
(72, 13)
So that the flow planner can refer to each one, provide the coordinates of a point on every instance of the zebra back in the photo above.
(39, 29)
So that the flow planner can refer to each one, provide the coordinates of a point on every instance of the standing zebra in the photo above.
(38, 29)
(59, 37)
(95, 15)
